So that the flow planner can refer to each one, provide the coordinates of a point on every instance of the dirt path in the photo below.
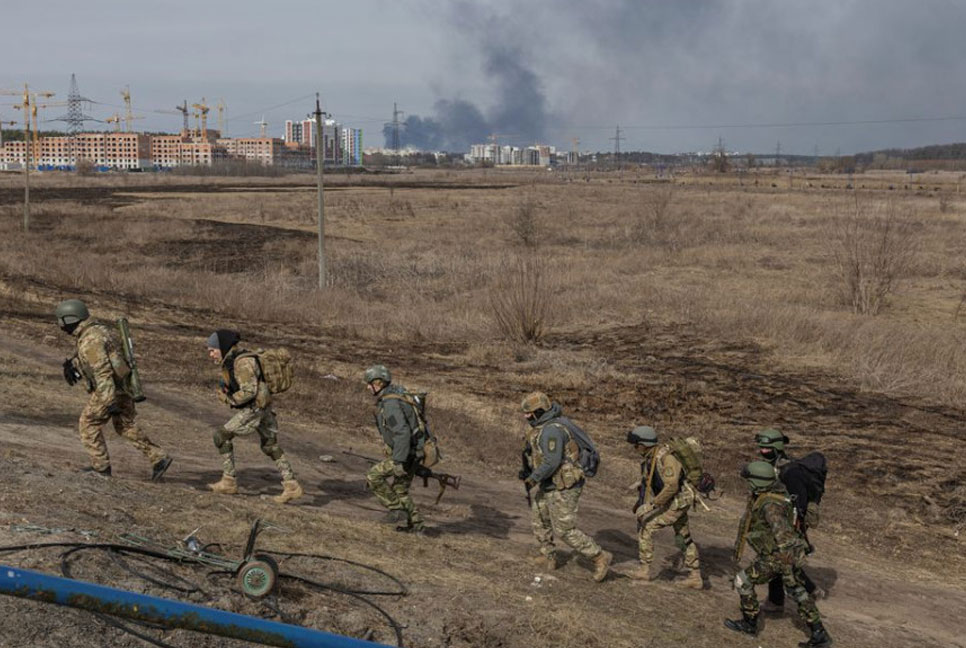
(872, 602)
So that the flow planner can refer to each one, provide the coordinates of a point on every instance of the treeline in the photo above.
(16, 135)
(955, 151)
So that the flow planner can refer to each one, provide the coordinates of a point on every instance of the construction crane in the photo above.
(263, 124)
(222, 111)
(128, 113)
(183, 109)
(116, 120)
(202, 109)
(2, 124)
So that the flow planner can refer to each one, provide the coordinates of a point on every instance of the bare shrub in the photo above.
(872, 249)
(519, 303)
(654, 223)
(524, 223)
(944, 202)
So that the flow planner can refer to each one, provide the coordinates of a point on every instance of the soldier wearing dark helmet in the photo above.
(101, 366)
(390, 479)
(768, 527)
(556, 473)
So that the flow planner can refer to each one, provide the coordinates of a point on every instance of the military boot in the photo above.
(747, 624)
(394, 516)
(642, 573)
(158, 469)
(819, 639)
(602, 565)
(226, 486)
(291, 490)
(94, 471)
(694, 580)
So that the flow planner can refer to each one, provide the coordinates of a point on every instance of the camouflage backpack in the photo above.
(417, 401)
(276, 368)
(588, 458)
(688, 452)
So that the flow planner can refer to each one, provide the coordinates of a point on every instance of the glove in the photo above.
(71, 375)
(113, 409)
(643, 510)
(529, 483)
(398, 470)
(523, 474)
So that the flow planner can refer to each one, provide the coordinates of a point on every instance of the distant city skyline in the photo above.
(847, 76)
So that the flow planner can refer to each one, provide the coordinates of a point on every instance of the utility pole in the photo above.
(395, 133)
(320, 170)
(617, 150)
(778, 153)
(26, 105)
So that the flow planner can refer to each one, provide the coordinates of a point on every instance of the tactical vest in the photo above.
(263, 397)
(119, 365)
(760, 535)
(568, 474)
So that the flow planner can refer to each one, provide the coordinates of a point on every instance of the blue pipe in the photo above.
(37, 586)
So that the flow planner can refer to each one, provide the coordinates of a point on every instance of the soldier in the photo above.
(101, 364)
(243, 388)
(771, 448)
(554, 468)
(397, 423)
(768, 526)
(664, 498)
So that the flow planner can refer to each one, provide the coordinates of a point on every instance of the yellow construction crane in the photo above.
(128, 113)
(222, 111)
(202, 109)
(116, 120)
(183, 109)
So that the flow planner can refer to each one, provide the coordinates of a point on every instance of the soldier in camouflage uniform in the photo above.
(100, 363)
(390, 479)
(768, 526)
(664, 500)
(555, 469)
(242, 388)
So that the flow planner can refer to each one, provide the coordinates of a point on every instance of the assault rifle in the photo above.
(127, 347)
(425, 473)
(525, 471)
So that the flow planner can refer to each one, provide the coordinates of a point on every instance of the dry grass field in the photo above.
(831, 307)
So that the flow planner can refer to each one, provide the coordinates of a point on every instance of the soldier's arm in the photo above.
(94, 352)
(786, 537)
(399, 430)
(671, 476)
(246, 375)
(552, 440)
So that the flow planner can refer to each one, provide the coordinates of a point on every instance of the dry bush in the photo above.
(654, 223)
(944, 202)
(524, 223)
(520, 303)
(872, 249)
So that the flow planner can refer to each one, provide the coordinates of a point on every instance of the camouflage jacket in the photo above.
(554, 453)
(241, 381)
(100, 361)
(769, 524)
(661, 474)
(398, 426)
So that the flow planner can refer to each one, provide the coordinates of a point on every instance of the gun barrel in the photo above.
(127, 347)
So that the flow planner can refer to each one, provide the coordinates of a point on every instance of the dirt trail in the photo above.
(872, 601)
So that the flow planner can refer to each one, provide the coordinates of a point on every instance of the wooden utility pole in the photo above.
(320, 170)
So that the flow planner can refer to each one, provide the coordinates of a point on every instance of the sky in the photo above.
(826, 76)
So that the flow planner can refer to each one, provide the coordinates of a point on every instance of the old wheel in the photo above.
(258, 576)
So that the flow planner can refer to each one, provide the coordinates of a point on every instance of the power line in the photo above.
(856, 122)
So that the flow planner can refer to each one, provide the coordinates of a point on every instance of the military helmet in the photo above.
(535, 401)
(378, 372)
(760, 474)
(771, 438)
(71, 311)
(642, 435)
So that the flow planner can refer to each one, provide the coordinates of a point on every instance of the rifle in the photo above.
(425, 473)
(525, 471)
(71, 375)
(127, 346)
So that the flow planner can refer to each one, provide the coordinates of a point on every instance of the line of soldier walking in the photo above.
(554, 468)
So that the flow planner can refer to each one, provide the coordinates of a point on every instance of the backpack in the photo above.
(688, 452)
(276, 368)
(588, 458)
(812, 471)
(417, 401)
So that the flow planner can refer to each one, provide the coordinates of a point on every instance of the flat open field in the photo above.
(704, 305)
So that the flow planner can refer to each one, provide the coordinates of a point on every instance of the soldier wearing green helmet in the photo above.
(397, 422)
(768, 527)
(101, 366)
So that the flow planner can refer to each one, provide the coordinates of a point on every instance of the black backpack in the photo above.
(815, 471)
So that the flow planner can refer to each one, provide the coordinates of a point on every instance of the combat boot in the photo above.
(642, 573)
(602, 565)
(100, 473)
(291, 490)
(819, 639)
(226, 486)
(415, 529)
(158, 469)
(694, 580)
(747, 624)
(545, 561)
(394, 516)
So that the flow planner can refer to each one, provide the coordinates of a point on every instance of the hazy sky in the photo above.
(675, 76)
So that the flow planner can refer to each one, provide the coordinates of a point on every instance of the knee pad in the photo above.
(222, 441)
(742, 583)
(273, 451)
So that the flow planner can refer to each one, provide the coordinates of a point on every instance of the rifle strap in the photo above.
(648, 490)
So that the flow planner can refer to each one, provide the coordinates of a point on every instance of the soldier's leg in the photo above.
(776, 593)
(243, 423)
(684, 541)
(796, 590)
(268, 441)
(125, 424)
(761, 570)
(541, 523)
(377, 480)
(89, 427)
(563, 514)
(645, 537)
(400, 486)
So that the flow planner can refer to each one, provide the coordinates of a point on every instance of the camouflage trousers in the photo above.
(251, 420)
(95, 416)
(762, 570)
(554, 513)
(394, 496)
(675, 516)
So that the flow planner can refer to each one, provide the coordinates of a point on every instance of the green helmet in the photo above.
(642, 435)
(535, 401)
(771, 438)
(71, 311)
(378, 372)
(760, 474)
